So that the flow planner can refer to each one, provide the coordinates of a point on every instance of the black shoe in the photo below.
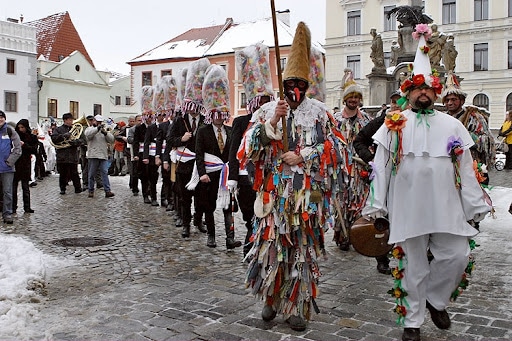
(200, 227)
(163, 203)
(268, 313)
(384, 268)
(78, 190)
(344, 245)
(169, 208)
(440, 317)
(231, 243)
(63, 192)
(211, 241)
(411, 334)
(154, 203)
(296, 323)
(185, 232)
(135, 194)
(179, 222)
(8, 219)
(147, 200)
(29, 210)
(33, 184)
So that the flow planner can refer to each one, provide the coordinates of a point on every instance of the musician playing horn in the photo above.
(67, 157)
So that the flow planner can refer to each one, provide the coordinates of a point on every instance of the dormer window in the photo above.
(172, 46)
(203, 42)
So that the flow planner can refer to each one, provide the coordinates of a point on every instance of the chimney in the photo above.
(21, 18)
(284, 16)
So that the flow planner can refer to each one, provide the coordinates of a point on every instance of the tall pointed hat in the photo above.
(193, 97)
(316, 87)
(215, 94)
(297, 65)
(452, 86)
(349, 85)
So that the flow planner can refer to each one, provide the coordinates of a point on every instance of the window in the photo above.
(97, 109)
(510, 8)
(167, 72)
(11, 66)
(243, 100)
(353, 23)
(127, 101)
(146, 78)
(481, 9)
(52, 107)
(389, 24)
(387, 59)
(11, 101)
(449, 11)
(73, 109)
(510, 54)
(509, 102)
(354, 63)
(481, 54)
(482, 101)
(118, 100)
(283, 63)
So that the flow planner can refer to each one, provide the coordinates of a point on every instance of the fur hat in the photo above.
(451, 86)
(215, 93)
(166, 92)
(349, 86)
(297, 65)
(420, 71)
(254, 68)
(193, 98)
(316, 87)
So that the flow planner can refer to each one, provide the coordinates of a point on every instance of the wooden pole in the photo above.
(279, 71)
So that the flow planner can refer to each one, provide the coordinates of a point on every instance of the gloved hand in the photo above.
(232, 185)
(99, 127)
(223, 199)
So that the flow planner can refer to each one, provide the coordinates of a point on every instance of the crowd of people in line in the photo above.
(295, 169)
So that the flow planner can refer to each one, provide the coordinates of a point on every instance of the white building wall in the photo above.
(18, 42)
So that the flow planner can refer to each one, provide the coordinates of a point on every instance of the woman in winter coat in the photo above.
(23, 172)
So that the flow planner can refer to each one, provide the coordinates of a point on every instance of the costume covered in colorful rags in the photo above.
(293, 206)
(352, 174)
(423, 179)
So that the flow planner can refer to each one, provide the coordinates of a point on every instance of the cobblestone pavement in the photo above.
(151, 284)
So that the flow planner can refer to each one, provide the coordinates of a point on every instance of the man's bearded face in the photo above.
(422, 98)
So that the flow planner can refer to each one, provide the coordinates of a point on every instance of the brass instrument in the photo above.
(75, 131)
(82, 120)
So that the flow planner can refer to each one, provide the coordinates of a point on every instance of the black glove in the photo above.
(104, 132)
(99, 128)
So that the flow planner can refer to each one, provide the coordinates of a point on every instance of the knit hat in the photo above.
(166, 93)
(146, 100)
(316, 87)
(193, 98)
(215, 94)
(420, 71)
(349, 85)
(254, 68)
(297, 65)
(451, 86)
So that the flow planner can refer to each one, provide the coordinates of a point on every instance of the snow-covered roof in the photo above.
(233, 37)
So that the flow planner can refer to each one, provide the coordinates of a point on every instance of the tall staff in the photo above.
(279, 75)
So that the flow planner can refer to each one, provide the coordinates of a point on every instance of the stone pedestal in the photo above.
(379, 85)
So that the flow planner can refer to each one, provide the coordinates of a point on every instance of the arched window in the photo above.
(481, 100)
(509, 102)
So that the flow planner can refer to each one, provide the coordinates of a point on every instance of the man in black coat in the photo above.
(149, 156)
(68, 156)
(183, 134)
(166, 192)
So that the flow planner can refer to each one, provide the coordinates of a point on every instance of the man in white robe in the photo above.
(429, 193)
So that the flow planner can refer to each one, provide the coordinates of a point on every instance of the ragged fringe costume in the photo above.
(352, 176)
(294, 205)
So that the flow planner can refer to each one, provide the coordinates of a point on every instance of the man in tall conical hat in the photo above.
(183, 135)
(290, 201)
(425, 182)
(476, 121)
(254, 69)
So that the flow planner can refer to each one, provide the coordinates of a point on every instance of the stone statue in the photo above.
(436, 43)
(395, 52)
(377, 54)
(449, 54)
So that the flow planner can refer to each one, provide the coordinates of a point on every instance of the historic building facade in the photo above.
(482, 32)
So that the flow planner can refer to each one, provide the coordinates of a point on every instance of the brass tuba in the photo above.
(75, 131)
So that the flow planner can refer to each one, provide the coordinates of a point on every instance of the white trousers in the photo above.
(434, 281)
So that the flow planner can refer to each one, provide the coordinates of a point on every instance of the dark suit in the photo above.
(139, 135)
(206, 192)
(166, 194)
(180, 126)
(246, 194)
(151, 168)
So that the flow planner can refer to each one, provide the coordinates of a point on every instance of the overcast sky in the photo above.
(114, 32)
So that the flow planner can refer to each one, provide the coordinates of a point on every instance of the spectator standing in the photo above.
(506, 131)
(23, 172)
